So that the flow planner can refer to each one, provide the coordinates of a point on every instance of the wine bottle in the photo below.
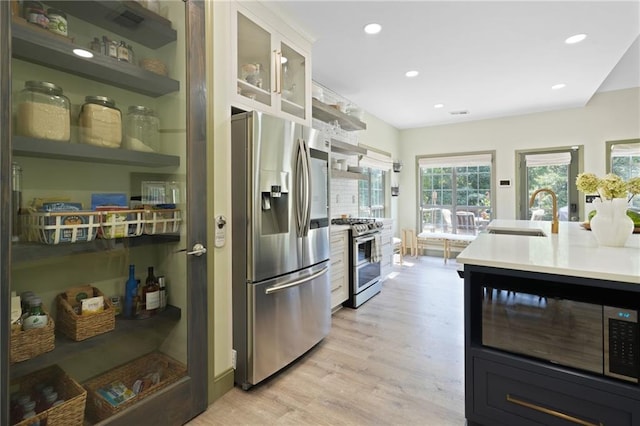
(151, 294)
(130, 292)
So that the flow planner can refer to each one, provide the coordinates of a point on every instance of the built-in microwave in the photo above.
(601, 339)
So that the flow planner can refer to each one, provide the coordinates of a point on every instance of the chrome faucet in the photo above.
(554, 198)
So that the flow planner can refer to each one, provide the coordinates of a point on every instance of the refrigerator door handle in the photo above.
(298, 200)
(295, 283)
(302, 194)
(307, 159)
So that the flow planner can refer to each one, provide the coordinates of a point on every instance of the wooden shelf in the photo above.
(26, 253)
(346, 148)
(39, 148)
(341, 174)
(35, 45)
(327, 113)
(158, 325)
(126, 18)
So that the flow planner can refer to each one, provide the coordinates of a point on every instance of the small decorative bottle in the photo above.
(151, 294)
(130, 292)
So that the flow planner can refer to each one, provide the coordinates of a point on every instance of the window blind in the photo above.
(375, 160)
(625, 150)
(551, 159)
(456, 161)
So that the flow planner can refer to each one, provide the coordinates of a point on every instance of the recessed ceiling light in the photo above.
(372, 28)
(412, 73)
(83, 53)
(438, 106)
(575, 38)
(558, 86)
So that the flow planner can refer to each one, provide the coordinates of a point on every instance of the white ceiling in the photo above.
(490, 58)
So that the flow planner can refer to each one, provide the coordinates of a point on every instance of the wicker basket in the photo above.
(70, 412)
(81, 327)
(170, 371)
(154, 65)
(27, 344)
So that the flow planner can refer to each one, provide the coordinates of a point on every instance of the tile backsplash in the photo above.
(343, 192)
(344, 197)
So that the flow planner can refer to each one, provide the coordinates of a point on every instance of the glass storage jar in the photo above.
(43, 112)
(142, 129)
(100, 122)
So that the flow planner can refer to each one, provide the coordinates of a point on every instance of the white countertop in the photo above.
(572, 251)
(339, 228)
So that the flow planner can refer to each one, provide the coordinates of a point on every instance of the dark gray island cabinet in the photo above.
(551, 339)
(524, 385)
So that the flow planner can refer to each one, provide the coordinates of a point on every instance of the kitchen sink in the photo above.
(524, 231)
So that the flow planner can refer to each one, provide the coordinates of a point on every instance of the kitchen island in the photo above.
(548, 278)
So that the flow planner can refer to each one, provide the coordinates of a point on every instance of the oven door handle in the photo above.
(359, 240)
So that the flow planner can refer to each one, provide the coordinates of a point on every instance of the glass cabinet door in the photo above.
(293, 85)
(271, 75)
(254, 61)
(105, 238)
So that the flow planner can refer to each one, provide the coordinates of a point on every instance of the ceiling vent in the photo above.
(462, 112)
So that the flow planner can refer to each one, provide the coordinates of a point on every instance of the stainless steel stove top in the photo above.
(359, 226)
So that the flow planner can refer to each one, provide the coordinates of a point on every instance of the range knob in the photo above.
(360, 227)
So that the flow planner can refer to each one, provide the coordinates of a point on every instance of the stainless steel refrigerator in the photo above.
(280, 227)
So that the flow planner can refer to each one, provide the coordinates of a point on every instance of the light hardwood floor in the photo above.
(396, 360)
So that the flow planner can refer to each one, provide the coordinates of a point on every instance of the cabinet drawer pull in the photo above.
(551, 412)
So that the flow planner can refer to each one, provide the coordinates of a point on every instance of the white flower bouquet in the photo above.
(609, 187)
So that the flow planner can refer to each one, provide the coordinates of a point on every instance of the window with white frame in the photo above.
(371, 193)
(371, 190)
(455, 193)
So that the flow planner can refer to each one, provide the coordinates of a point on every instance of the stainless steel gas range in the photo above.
(364, 259)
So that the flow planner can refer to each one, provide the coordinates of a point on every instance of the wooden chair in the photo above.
(466, 221)
(409, 242)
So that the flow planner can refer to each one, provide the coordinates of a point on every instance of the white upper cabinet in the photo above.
(272, 72)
